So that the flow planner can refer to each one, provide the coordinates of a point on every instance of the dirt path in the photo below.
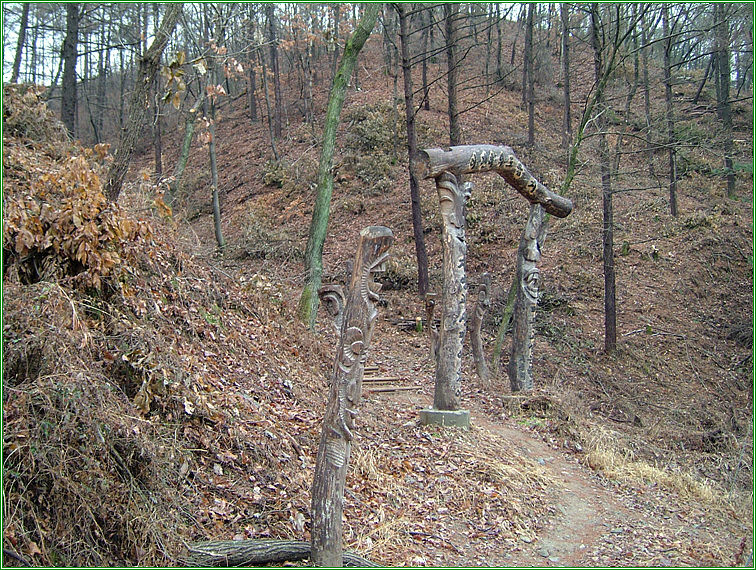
(587, 514)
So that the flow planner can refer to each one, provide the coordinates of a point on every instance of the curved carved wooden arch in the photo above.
(469, 159)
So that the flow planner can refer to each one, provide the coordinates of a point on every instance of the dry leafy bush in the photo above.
(26, 115)
(56, 221)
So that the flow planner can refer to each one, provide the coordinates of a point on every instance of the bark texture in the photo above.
(68, 93)
(345, 393)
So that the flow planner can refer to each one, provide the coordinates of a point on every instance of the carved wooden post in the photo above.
(332, 296)
(345, 393)
(523, 327)
(451, 334)
(468, 159)
(481, 306)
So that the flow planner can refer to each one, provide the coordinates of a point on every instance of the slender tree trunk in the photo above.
(214, 180)
(308, 303)
(647, 97)
(610, 312)
(670, 110)
(336, 9)
(149, 65)
(632, 89)
(506, 320)
(426, 26)
(186, 146)
(20, 44)
(564, 12)
(499, 70)
(530, 75)
(266, 92)
(68, 96)
(450, 13)
(705, 77)
(278, 114)
(723, 101)
(409, 109)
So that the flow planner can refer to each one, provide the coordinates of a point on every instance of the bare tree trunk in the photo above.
(186, 145)
(705, 77)
(252, 79)
(269, 112)
(149, 65)
(564, 12)
(426, 26)
(670, 110)
(308, 302)
(450, 12)
(20, 44)
(344, 396)
(610, 311)
(526, 299)
(409, 109)
(68, 95)
(647, 97)
(278, 114)
(506, 320)
(723, 100)
(529, 61)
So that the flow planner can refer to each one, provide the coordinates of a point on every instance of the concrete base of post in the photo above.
(455, 418)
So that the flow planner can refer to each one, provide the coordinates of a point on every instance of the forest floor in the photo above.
(184, 403)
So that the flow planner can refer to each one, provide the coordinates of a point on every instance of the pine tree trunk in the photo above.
(138, 113)
(409, 109)
(308, 302)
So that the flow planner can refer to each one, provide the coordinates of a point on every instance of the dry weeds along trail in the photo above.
(588, 515)
(586, 510)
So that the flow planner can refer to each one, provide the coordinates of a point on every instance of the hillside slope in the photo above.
(178, 399)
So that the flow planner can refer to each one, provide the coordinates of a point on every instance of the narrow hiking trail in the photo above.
(586, 510)
(593, 521)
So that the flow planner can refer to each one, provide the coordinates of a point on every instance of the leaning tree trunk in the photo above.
(526, 299)
(308, 302)
(149, 65)
(345, 393)
(20, 43)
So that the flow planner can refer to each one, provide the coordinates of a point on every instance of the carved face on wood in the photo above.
(452, 200)
(530, 284)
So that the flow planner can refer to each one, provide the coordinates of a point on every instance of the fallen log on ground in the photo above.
(258, 552)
